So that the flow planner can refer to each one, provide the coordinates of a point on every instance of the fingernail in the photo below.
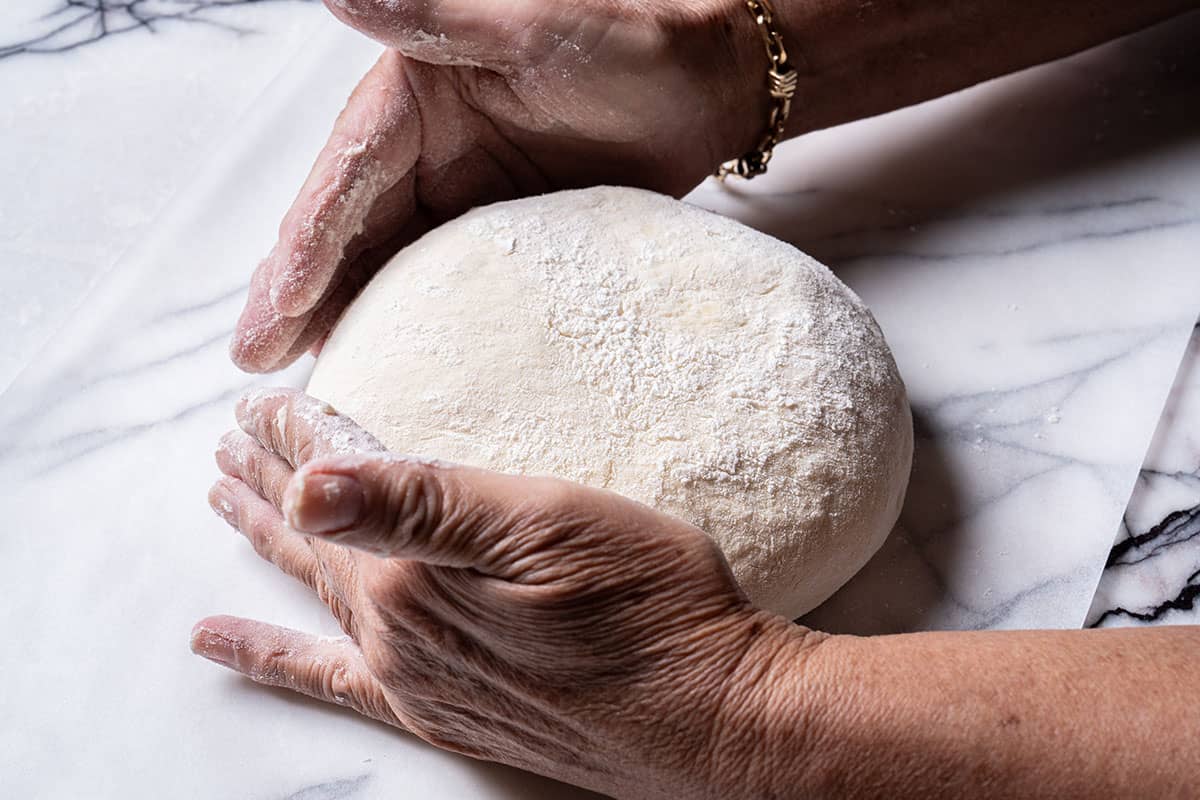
(223, 502)
(213, 646)
(321, 503)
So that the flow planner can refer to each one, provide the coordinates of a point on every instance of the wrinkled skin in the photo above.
(485, 101)
(568, 631)
(532, 622)
(529, 621)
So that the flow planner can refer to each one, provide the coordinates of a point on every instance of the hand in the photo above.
(486, 101)
(560, 629)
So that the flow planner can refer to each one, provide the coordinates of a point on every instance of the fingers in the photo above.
(297, 427)
(357, 494)
(259, 521)
(267, 341)
(375, 142)
(327, 569)
(332, 670)
(284, 429)
(358, 196)
(264, 339)
(239, 456)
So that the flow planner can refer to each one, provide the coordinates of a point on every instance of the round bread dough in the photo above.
(625, 340)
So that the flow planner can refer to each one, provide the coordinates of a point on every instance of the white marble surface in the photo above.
(102, 123)
(1152, 573)
(1029, 248)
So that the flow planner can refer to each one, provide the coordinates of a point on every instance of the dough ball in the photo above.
(632, 342)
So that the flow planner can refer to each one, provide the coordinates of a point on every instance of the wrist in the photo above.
(765, 723)
(749, 104)
(756, 109)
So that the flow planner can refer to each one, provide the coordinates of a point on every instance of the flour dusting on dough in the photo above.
(632, 342)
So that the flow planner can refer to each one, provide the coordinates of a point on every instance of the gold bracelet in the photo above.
(781, 80)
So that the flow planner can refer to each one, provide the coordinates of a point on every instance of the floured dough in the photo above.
(629, 341)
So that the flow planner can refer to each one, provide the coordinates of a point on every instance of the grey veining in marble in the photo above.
(1152, 574)
(1028, 248)
(333, 790)
(58, 26)
(102, 123)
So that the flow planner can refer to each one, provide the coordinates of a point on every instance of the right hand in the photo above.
(531, 621)
(487, 100)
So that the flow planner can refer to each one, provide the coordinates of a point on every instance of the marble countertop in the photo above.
(1152, 573)
(104, 119)
(1030, 248)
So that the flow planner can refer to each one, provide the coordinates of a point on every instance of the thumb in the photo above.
(429, 511)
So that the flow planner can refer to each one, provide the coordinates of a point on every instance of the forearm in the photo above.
(998, 714)
(860, 59)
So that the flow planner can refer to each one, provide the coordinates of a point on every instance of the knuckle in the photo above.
(253, 472)
(257, 410)
(272, 666)
(324, 591)
(335, 682)
(344, 616)
(261, 532)
(417, 505)
(279, 426)
(273, 484)
(301, 447)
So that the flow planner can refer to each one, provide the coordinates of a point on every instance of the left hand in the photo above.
(552, 627)
(477, 102)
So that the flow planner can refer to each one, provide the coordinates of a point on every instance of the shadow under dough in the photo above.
(1125, 100)
(897, 588)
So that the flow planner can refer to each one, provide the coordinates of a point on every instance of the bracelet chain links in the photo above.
(782, 81)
